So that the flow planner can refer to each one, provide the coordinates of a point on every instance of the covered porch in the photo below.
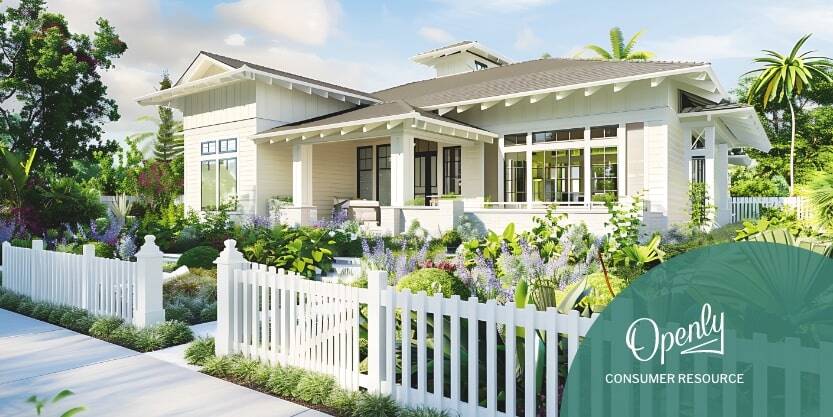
(388, 163)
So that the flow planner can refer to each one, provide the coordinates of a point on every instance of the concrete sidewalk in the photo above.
(37, 358)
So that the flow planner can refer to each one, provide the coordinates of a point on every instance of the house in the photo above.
(506, 138)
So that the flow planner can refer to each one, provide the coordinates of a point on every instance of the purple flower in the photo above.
(8, 230)
(110, 235)
(256, 222)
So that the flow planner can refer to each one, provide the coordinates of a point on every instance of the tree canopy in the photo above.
(51, 94)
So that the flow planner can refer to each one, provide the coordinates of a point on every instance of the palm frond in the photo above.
(617, 45)
(632, 42)
(640, 55)
(601, 52)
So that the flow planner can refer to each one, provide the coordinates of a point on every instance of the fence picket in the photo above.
(472, 383)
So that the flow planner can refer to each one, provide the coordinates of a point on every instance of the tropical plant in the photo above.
(640, 255)
(619, 51)
(14, 174)
(624, 224)
(782, 78)
(820, 193)
(40, 403)
(700, 210)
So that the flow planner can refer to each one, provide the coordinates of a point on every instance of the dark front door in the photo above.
(425, 171)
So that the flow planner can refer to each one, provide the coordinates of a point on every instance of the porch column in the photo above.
(587, 172)
(621, 161)
(401, 169)
(721, 185)
(529, 192)
(301, 175)
(710, 150)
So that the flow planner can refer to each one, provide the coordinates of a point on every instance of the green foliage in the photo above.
(432, 281)
(199, 257)
(314, 388)
(284, 379)
(750, 182)
(55, 77)
(40, 404)
(700, 210)
(451, 239)
(342, 401)
(619, 51)
(10, 301)
(219, 366)
(191, 298)
(200, 351)
(375, 405)
(490, 245)
(298, 249)
(105, 326)
(625, 222)
(546, 233)
(62, 200)
(820, 194)
(14, 175)
(423, 411)
(640, 255)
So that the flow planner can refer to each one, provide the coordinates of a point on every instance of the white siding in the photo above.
(472, 171)
(225, 104)
(282, 106)
(656, 175)
(677, 173)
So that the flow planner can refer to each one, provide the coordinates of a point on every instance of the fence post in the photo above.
(36, 279)
(377, 282)
(230, 260)
(149, 309)
(88, 254)
(5, 264)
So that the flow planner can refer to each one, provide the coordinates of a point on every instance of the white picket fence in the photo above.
(111, 287)
(274, 316)
(749, 208)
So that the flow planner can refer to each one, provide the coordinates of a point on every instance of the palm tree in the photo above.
(619, 51)
(782, 78)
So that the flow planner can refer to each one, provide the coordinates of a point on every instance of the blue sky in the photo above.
(367, 44)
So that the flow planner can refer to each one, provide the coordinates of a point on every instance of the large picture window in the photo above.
(208, 185)
(558, 135)
(514, 177)
(514, 139)
(227, 179)
(364, 164)
(218, 182)
(543, 176)
(383, 174)
(569, 172)
(452, 170)
(604, 167)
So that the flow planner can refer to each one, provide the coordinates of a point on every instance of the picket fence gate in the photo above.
(749, 208)
(109, 287)
(276, 316)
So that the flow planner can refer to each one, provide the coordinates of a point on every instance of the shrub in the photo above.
(375, 405)
(41, 311)
(57, 313)
(433, 280)
(599, 296)
(172, 333)
(284, 379)
(191, 298)
(451, 239)
(103, 250)
(104, 327)
(199, 257)
(423, 411)
(219, 366)
(199, 351)
(26, 307)
(77, 319)
(314, 388)
(243, 369)
(342, 401)
(10, 301)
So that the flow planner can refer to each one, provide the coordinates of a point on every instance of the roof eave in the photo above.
(758, 138)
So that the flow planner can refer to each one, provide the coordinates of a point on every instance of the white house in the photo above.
(508, 138)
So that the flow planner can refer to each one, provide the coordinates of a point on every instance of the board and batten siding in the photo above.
(677, 173)
(238, 111)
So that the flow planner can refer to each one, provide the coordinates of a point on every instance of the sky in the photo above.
(368, 44)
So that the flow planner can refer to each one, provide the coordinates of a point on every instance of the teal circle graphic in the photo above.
(739, 329)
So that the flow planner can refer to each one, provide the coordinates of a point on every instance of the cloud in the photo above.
(808, 18)
(308, 22)
(477, 6)
(235, 39)
(526, 39)
(435, 34)
(702, 47)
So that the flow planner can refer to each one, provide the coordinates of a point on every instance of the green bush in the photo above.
(191, 298)
(375, 405)
(173, 333)
(243, 369)
(314, 388)
(26, 307)
(77, 319)
(219, 366)
(284, 379)
(10, 301)
(343, 402)
(41, 311)
(104, 327)
(103, 250)
(199, 351)
(199, 257)
(451, 239)
(433, 280)
(423, 411)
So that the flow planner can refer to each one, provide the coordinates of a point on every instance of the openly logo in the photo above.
(702, 336)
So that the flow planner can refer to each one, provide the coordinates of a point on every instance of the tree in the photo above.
(51, 94)
(784, 77)
(14, 175)
(619, 51)
(167, 140)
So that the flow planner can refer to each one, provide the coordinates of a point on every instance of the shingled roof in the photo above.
(522, 77)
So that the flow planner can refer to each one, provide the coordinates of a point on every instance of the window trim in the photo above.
(208, 143)
(448, 150)
(222, 141)
(525, 140)
(359, 170)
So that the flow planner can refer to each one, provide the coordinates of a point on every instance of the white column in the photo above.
(501, 171)
(586, 171)
(149, 309)
(441, 169)
(529, 197)
(622, 160)
(402, 169)
(721, 185)
(301, 175)
(230, 260)
(710, 151)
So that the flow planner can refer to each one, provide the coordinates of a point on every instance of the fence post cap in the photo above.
(149, 249)
(88, 249)
(230, 254)
(377, 279)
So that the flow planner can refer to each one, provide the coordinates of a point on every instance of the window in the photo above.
(208, 184)
(514, 177)
(569, 170)
(227, 179)
(479, 66)
(364, 164)
(383, 174)
(604, 168)
(514, 139)
(558, 135)
(543, 176)
(603, 132)
(208, 148)
(698, 139)
(451, 170)
(228, 145)
(698, 169)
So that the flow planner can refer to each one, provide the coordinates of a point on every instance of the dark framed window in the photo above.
(558, 135)
(605, 173)
(479, 65)
(569, 173)
(603, 132)
(227, 145)
(698, 169)
(514, 139)
(208, 148)
(452, 168)
(227, 179)
(543, 176)
(514, 177)
(208, 185)
(364, 170)
(383, 174)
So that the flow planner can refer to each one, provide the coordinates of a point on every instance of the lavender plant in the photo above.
(8, 230)
(110, 234)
